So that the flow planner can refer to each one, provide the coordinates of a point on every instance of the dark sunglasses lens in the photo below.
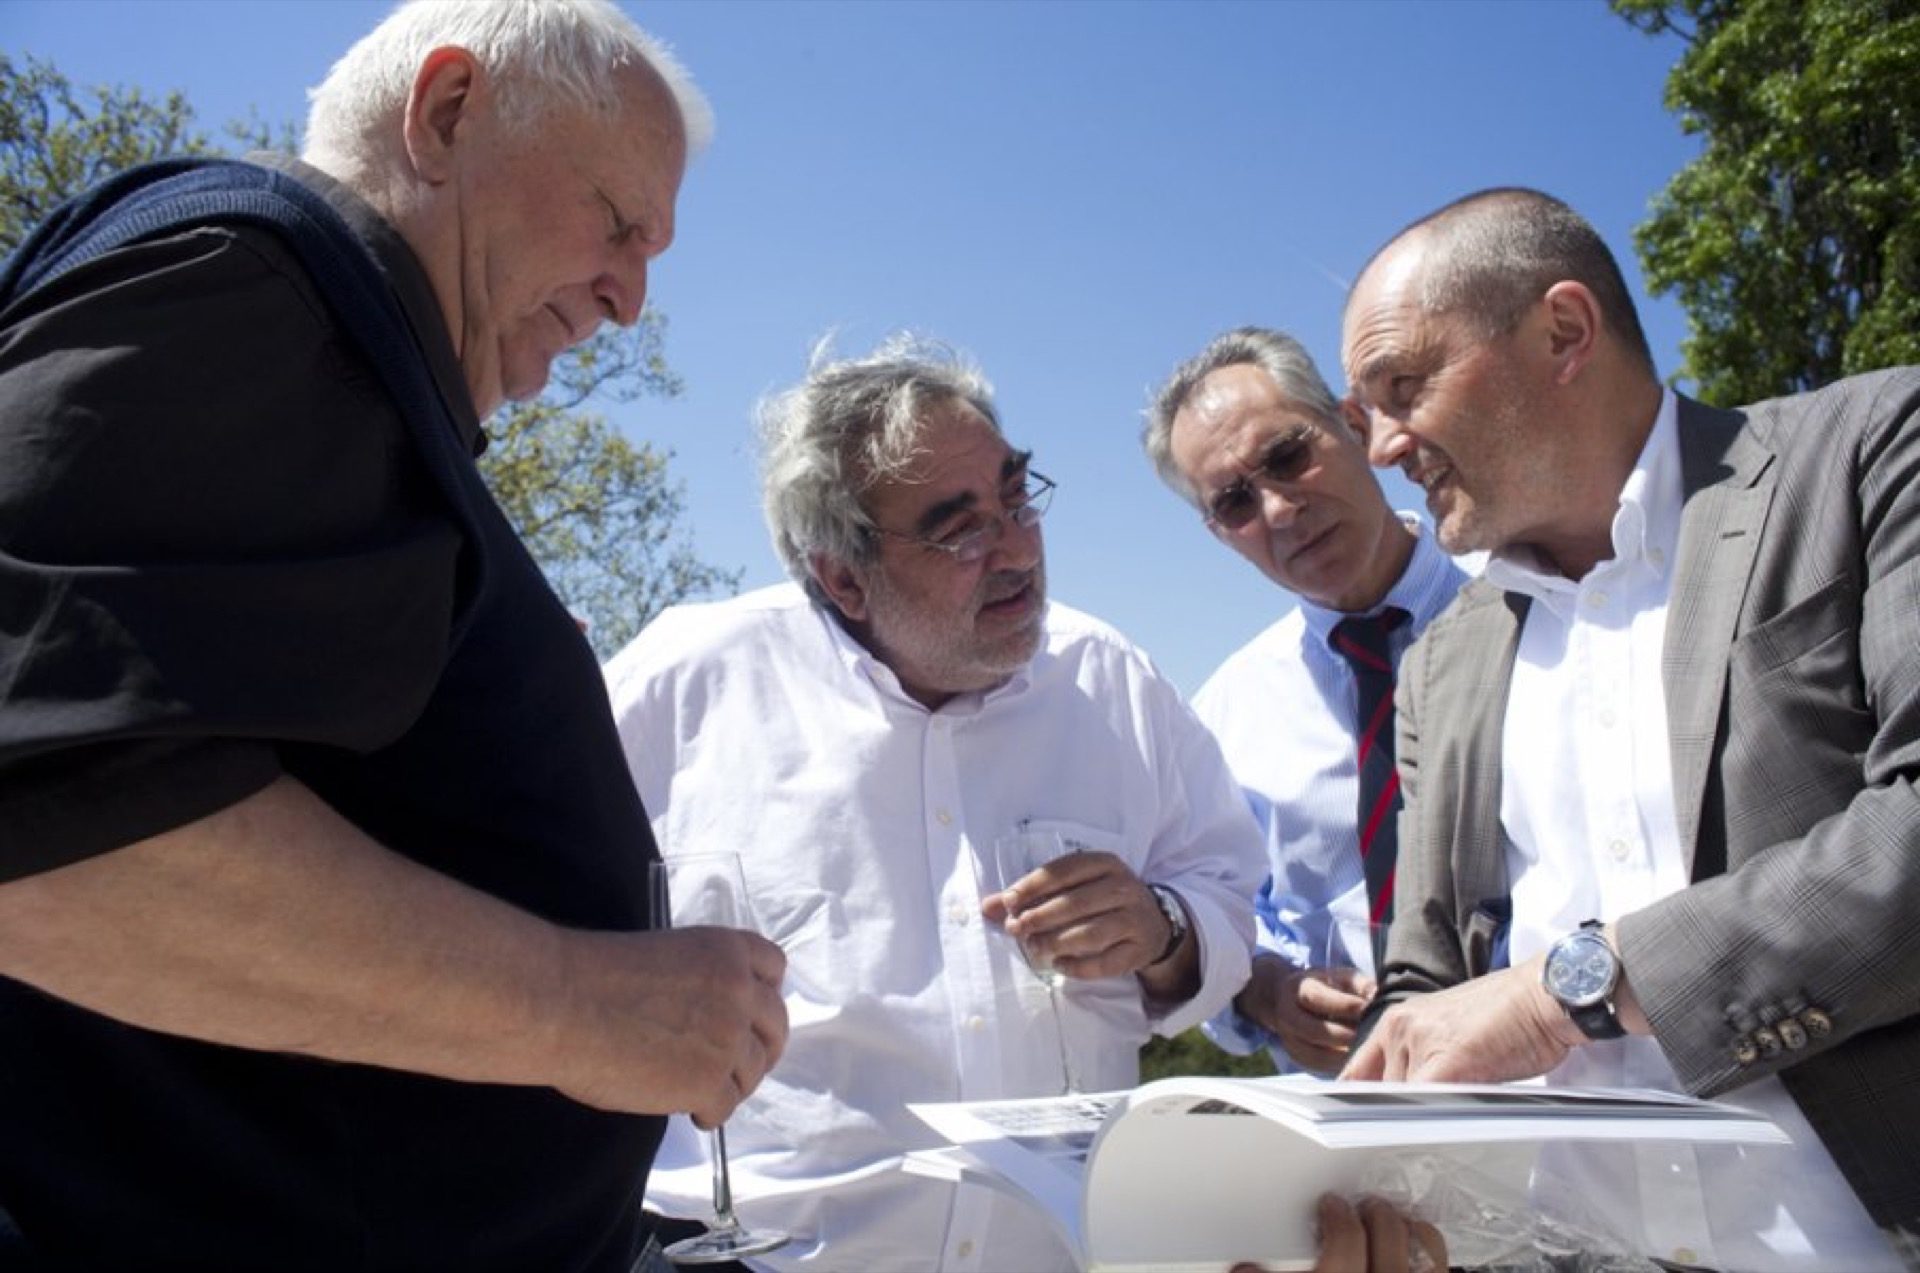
(1286, 461)
(1234, 507)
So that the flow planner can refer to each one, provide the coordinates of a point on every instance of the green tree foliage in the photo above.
(54, 142)
(1192, 1053)
(600, 513)
(1793, 240)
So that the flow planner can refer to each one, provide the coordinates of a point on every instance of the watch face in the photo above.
(1580, 970)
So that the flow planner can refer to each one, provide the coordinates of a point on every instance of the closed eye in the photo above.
(622, 229)
(961, 530)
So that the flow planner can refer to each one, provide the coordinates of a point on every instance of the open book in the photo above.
(1199, 1173)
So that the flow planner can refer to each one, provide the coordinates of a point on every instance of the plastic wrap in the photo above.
(1490, 1223)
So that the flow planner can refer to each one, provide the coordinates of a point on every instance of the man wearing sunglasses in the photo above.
(863, 737)
(1249, 433)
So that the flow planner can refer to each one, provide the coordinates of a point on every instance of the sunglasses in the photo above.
(1285, 459)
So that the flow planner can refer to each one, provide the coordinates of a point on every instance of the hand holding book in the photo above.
(1373, 1237)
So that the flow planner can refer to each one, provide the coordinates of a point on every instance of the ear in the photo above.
(844, 584)
(1573, 328)
(1354, 417)
(440, 110)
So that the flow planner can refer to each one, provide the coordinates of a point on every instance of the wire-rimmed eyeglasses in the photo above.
(974, 536)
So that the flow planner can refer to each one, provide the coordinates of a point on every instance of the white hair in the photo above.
(540, 54)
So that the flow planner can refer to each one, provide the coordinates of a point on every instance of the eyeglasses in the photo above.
(973, 537)
(1285, 460)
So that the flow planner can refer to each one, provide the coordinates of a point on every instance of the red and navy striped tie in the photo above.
(1363, 642)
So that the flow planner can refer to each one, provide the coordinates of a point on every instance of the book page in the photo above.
(1038, 1145)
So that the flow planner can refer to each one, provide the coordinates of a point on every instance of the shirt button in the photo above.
(1606, 718)
(976, 1023)
(1619, 850)
(958, 915)
(1659, 558)
(965, 1249)
(1597, 601)
(944, 818)
(1685, 1255)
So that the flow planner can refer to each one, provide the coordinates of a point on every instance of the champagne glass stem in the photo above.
(722, 1181)
(1072, 1084)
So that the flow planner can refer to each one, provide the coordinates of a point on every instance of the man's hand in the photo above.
(1492, 1029)
(1086, 913)
(1312, 1011)
(687, 1021)
(1374, 1238)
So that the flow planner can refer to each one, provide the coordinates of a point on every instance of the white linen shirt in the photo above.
(1587, 807)
(865, 825)
(1283, 708)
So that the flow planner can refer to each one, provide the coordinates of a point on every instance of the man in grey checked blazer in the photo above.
(1791, 672)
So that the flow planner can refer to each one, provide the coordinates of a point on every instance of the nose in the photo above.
(1016, 546)
(621, 291)
(1387, 442)
(1277, 507)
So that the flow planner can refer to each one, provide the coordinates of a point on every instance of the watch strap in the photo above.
(1598, 1020)
(1177, 924)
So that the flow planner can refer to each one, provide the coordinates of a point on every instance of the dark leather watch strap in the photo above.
(1598, 1021)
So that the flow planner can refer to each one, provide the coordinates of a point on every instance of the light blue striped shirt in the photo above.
(1283, 708)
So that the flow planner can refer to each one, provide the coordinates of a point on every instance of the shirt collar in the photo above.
(1646, 524)
(411, 287)
(1423, 590)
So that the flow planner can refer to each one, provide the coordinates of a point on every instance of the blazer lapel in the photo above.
(1484, 875)
(1727, 503)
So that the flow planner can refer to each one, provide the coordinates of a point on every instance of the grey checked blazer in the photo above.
(1792, 675)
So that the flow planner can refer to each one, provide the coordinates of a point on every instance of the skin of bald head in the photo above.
(1492, 355)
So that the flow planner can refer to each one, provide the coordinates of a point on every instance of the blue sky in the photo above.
(1079, 192)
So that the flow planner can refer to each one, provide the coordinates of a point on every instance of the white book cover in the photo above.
(1198, 1173)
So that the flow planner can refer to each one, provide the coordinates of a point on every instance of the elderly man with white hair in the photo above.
(322, 942)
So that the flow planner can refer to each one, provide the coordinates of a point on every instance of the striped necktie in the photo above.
(1363, 642)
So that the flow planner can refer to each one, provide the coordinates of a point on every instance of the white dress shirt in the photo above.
(866, 826)
(1283, 707)
(1587, 806)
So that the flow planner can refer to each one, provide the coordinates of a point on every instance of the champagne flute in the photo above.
(1015, 854)
(709, 890)
(1354, 941)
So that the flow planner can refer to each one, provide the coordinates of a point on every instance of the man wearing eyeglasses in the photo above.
(862, 738)
(1249, 433)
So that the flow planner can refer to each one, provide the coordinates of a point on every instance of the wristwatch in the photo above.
(1582, 973)
(1176, 920)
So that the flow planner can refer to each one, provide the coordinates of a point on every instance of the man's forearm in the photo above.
(275, 924)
